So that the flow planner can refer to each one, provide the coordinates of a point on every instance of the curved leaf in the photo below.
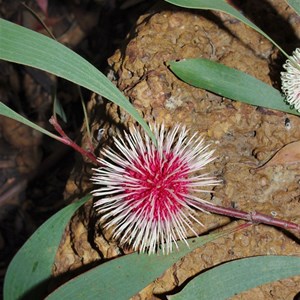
(295, 4)
(237, 276)
(31, 267)
(24, 46)
(8, 112)
(222, 5)
(230, 83)
(287, 155)
(123, 277)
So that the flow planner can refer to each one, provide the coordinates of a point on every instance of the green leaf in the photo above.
(123, 277)
(237, 276)
(8, 112)
(230, 83)
(295, 4)
(58, 108)
(29, 271)
(24, 46)
(222, 5)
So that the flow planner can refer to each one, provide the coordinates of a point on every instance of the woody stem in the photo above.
(67, 141)
(254, 217)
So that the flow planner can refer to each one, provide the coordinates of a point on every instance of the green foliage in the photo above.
(230, 83)
(123, 277)
(218, 83)
(295, 4)
(29, 271)
(58, 109)
(24, 46)
(234, 277)
(8, 112)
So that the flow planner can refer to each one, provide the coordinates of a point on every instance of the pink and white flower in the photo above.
(147, 192)
(291, 80)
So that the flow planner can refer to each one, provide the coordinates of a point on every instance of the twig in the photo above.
(253, 217)
(67, 141)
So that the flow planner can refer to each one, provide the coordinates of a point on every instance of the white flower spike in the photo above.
(291, 80)
(147, 193)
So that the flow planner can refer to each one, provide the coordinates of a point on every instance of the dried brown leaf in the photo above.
(287, 155)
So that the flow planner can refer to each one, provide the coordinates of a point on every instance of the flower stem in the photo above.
(67, 141)
(253, 217)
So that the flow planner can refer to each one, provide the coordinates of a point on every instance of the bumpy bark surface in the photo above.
(245, 137)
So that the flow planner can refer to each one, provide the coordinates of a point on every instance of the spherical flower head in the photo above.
(291, 80)
(148, 192)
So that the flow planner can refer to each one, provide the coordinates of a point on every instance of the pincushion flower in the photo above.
(291, 79)
(147, 192)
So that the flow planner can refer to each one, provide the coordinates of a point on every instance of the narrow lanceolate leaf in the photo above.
(28, 272)
(123, 277)
(24, 46)
(8, 112)
(222, 5)
(230, 83)
(58, 109)
(237, 276)
(295, 4)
